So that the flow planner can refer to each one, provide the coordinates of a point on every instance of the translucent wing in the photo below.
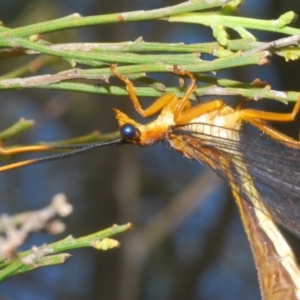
(273, 167)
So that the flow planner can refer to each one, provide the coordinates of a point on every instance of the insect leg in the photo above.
(198, 110)
(186, 97)
(154, 107)
(183, 114)
(257, 119)
(271, 116)
(273, 133)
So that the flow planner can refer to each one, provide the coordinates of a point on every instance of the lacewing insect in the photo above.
(262, 168)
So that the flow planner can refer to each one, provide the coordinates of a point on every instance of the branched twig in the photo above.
(274, 45)
(15, 229)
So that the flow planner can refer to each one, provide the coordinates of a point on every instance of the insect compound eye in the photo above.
(129, 132)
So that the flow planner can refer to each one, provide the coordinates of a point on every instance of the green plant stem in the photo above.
(231, 61)
(76, 20)
(144, 47)
(94, 137)
(32, 67)
(96, 59)
(16, 129)
(233, 22)
(17, 266)
(253, 93)
(88, 240)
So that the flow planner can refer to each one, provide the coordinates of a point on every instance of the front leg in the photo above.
(155, 107)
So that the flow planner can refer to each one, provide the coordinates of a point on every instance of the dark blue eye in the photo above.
(129, 132)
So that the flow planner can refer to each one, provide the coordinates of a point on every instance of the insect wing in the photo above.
(254, 158)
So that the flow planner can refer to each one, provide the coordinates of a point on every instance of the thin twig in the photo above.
(280, 43)
(17, 228)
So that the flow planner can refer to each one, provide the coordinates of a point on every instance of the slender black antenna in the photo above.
(80, 148)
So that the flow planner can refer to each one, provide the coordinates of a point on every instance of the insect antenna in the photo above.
(79, 148)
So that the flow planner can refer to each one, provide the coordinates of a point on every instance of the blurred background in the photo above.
(188, 241)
